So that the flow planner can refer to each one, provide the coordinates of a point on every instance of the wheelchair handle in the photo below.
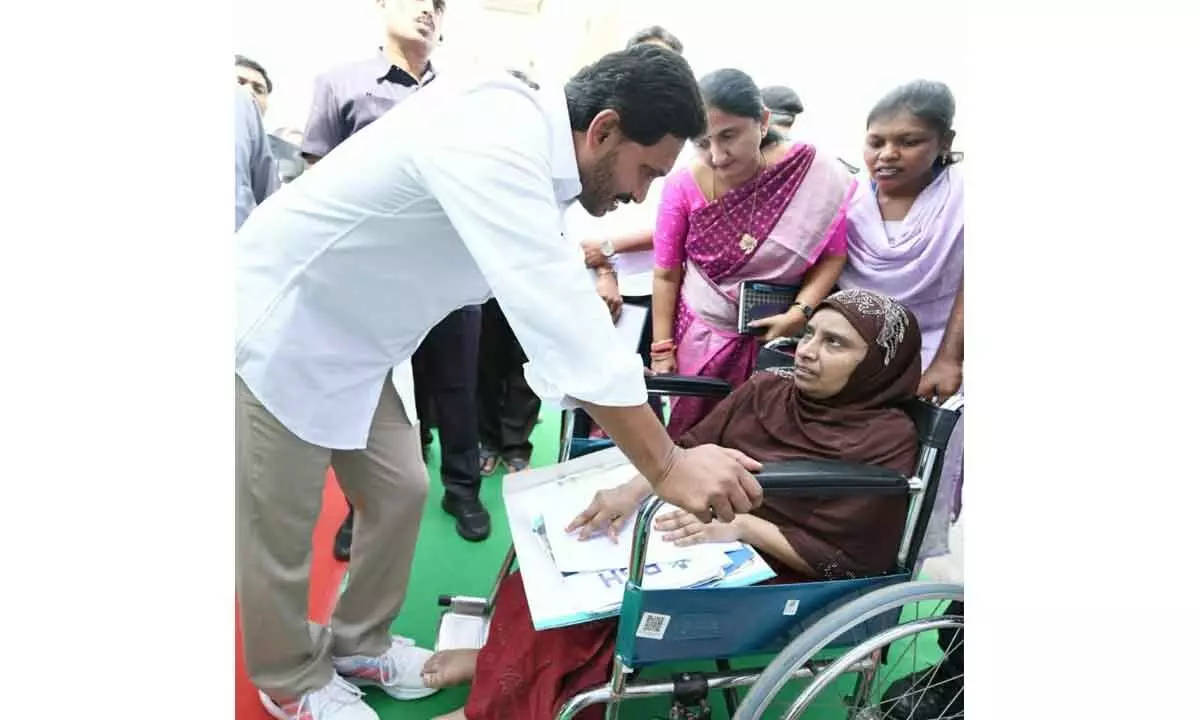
(687, 386)
(809, 477)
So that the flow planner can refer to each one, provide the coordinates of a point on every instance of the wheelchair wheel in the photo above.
(903, 662)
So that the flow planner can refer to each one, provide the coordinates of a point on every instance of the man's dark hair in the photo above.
(243, 61)
(782, 100)
(655, 32)
(651, 88)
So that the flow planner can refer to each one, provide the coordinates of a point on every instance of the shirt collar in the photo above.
(564, 168)
(385, 71)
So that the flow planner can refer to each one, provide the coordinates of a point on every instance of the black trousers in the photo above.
(507, 408)
(444, 375)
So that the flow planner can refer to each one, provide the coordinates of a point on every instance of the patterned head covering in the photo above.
(891, 370)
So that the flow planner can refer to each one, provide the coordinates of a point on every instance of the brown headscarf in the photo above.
(768, 418)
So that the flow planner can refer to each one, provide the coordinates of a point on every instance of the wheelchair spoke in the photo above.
(906, 663)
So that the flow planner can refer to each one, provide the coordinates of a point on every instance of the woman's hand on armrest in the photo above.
(683, 528)
(766, 536)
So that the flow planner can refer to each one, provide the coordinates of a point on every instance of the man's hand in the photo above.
(708, 480)
(941, 380)
(606, 287)
(684, 528)
(593, 257)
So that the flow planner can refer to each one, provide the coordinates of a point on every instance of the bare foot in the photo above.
(460, 714)
(449, 668)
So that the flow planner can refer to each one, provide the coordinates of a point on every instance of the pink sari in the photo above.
(799, 207)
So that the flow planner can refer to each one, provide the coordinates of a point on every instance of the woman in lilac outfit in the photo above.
(904, 239)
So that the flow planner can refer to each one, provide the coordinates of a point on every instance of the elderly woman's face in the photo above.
(827, 355)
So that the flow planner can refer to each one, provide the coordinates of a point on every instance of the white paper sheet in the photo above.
(630, 324)
(572, 555)
(606, 589)
(552, 603)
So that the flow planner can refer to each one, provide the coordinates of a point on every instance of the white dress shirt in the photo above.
(454, 195)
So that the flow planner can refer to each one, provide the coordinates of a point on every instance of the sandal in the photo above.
(488, 461)
(516, 465)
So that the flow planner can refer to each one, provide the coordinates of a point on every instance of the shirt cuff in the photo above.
(622, 385)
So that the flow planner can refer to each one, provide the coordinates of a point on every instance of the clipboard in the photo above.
(758, 300)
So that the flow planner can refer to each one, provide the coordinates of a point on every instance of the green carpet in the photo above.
(447, 564)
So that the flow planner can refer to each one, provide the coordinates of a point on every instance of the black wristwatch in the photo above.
(806, 309)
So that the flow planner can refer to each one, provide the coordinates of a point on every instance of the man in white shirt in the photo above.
(341, 274)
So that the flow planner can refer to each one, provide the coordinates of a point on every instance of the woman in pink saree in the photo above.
(754, 207)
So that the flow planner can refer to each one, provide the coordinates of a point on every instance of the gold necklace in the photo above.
(747, 242)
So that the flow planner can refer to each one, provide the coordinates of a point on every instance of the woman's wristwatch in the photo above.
(806, 309)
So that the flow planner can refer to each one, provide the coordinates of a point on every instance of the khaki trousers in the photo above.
(280, 481)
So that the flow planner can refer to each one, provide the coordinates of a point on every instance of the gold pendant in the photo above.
(748, 243)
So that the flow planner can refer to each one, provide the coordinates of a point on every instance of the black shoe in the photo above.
(933, 693)
(474, 522)
(341, 541)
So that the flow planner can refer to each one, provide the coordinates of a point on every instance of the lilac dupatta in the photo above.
(921, 266)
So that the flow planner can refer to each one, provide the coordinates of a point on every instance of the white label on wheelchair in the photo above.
(791, 607)
(653, 626)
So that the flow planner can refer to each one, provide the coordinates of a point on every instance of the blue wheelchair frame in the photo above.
(717, 624)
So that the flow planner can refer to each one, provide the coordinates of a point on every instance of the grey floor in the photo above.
(948, 568)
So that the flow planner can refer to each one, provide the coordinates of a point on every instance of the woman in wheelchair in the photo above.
(858, 360)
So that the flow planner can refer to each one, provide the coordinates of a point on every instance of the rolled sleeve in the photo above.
(325, 129)
(494, 183)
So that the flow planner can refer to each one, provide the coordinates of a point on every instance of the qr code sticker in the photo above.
(653, 626)
(791, 607)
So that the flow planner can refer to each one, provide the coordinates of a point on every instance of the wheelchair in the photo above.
(846, 638)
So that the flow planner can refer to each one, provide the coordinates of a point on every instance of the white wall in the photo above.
(839, 55)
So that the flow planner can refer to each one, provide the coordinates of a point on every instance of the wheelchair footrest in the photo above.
(462, 631)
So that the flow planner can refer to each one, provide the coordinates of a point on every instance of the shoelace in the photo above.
(336, 694)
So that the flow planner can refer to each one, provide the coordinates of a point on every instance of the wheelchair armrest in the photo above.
(687, 386)
(826, 478)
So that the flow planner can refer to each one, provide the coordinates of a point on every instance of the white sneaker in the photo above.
(339, 700)
(397, 672)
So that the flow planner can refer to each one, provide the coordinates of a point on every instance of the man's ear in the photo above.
(606, 126)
